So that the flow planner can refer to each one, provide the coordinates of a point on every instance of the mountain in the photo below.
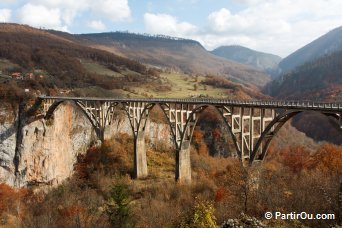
(49, 62)
(263, 61)
(316, 80)
(313, 73)
(325, 45)
(184, 55)
(36, 61)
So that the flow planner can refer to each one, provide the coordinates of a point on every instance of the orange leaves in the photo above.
(220, 193)
(197, 135)
(84, 161)
(295, 158)
(10, 198)
(7, 196)
(328, 158)
(201, 147)
(71, 211)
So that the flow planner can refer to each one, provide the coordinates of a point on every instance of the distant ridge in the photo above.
(125, 34)
(260, 60)
(178, 54)
(324, 45)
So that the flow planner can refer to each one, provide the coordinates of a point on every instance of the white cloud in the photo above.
(41, 16)
(5, 15)
(96, 25)
(278, 26)
(222, 21)
(167, 25)
(61, 14)
(115, 10)
(274, 26)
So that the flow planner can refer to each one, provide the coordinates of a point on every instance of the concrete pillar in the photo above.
(183, 163)
(245, 162)
(140, 161)
(254, 174)
(100, 134)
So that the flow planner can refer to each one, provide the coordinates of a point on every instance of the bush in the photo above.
(118, 208)
(202, 216)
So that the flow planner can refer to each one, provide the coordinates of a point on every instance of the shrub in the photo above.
(202, 216)
(118, 208)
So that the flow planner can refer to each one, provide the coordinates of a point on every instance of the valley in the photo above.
(61, 172)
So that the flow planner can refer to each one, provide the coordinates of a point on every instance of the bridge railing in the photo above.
(293, 104)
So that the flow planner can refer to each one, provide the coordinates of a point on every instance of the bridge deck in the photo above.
(298, 104)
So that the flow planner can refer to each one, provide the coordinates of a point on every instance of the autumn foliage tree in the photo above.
(199, 143)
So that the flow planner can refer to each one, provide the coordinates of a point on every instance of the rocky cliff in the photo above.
(48, 149)
(8, 128)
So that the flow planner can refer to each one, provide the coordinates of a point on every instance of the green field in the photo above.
(181, 86)
(170, 85)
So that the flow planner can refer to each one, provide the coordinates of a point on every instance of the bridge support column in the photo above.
(100, 134)
(140, 161)
(183, 163)
(254, 174)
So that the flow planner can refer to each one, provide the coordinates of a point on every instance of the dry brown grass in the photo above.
(159, 201)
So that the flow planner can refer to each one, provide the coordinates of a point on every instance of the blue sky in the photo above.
(274, 26)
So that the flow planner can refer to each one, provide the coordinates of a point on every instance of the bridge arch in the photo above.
(276, 124)
(90, 116)
(183, 161)
(138, 120)
(200, 110)
(148, 111)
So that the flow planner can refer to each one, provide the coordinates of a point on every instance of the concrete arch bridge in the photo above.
(251, 124)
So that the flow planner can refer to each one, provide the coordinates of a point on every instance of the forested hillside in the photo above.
(324, 45)
(32, 50)
(317, 80)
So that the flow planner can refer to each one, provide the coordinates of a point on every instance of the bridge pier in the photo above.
(100, 134)
(183, 163)
(140, 161)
